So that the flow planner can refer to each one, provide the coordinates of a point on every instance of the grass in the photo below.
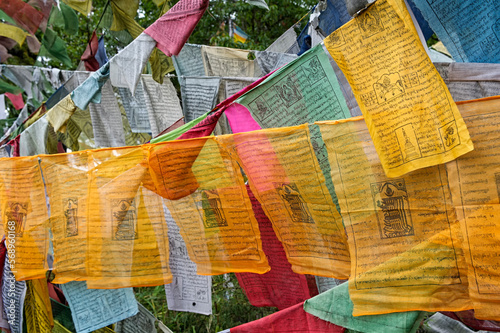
(230, 308)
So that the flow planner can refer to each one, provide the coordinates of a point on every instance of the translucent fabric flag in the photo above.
(172, 30)
(126, 227)
(475, 186)
(83, 6)
(280, 287)
(412, 118)
(402, 232)
(336, 307)
(214, 213)
(223, 61)
(285, 177)
(24, 216)
(25, 15)
(468, 81)
(292, 319)
(37, 307)
(470, 30)
(189, 61)
(13, 32)
(66, 179)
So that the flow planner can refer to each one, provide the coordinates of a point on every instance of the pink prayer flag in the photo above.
(240, 119)
(17, 100)
(292, 319)
(172, 30)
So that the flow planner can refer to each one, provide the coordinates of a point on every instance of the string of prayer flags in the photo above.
(172, 30)
(285, 177)
(292, 319)
(412, 118)
(24, 215)
(473, 183)
(94, 309)
(214, 213)
(126, 67)
(403, 232)
(469, 30)
(336, 307)
(280, 287)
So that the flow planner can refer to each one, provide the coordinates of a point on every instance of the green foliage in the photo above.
(262, 26)
(230, 308)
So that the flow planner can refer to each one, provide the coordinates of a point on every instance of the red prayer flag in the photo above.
(17, 100)
(292, 319)
(280, 287)
(88, 56)
(172, 30)
(25, 15)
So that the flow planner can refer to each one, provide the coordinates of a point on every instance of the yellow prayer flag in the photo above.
(13, 32)
(127, 232)
(24, 217)
(402, 232)
(285, 177)
(59, 115)
(83, 6)
(475, 186)
(410, 113)
(66, 178)
(208, 200)
(38, 311)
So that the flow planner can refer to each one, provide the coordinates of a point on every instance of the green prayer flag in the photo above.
(160, 65)
(7, 18)
(336, 306)
(7, 87)
(66, 18)
(54, 47)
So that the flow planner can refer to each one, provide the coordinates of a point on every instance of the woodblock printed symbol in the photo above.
(370, 23)
(124, 219)
(408, 143)
(17, 212)
(70, 207)
(288, 91)
(313, 70)
(388, 87)
(336, 39)
(294, 203)
(449, 135)
(213, 214)
(390, 199)
(260, 108)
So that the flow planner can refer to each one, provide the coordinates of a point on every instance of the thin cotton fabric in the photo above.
(410, 113)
